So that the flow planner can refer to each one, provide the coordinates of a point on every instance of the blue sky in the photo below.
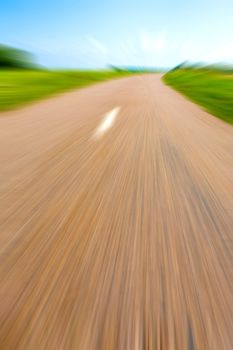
(69, 33)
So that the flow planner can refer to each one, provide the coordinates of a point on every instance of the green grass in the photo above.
(211, 88)
(18, 87)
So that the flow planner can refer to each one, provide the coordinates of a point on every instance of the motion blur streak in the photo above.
(124, 243)
(107, 122)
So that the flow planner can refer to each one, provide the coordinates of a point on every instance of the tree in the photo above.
(15, 58)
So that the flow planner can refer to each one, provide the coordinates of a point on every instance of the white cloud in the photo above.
(205, 53)
(152, 43)
(223, 53)
(97, 45)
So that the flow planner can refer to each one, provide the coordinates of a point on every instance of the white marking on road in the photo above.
(107, 122)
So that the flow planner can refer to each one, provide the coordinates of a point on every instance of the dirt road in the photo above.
(116, 222)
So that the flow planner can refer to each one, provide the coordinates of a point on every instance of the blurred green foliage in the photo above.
(15, 58)
(211, 87)
(18, 87)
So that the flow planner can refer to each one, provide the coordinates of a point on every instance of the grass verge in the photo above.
(18, 87)
(210, 88)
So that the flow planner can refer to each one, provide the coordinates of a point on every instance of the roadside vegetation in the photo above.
(12, 58)
(22, 80)
(211, 87)
(20, 86)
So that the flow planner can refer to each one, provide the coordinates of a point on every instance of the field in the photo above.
(18, 87)
(211, 88)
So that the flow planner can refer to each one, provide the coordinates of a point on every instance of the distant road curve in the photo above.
(116, 222)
